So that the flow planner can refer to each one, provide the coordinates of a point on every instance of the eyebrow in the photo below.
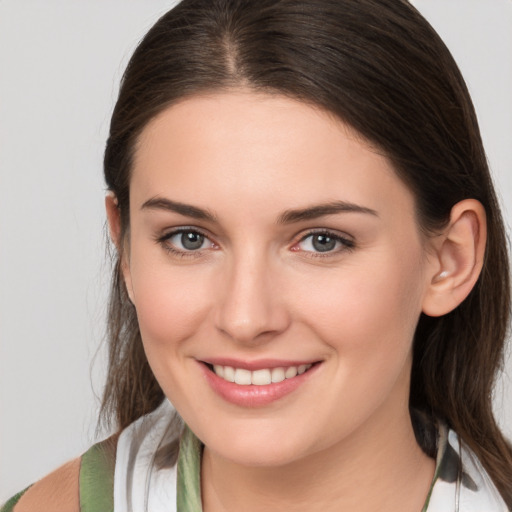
(187, 210)
(316, 211)
(287, 217)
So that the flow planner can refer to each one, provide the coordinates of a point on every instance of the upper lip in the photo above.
(259, 364)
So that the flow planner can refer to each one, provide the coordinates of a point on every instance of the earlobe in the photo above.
(114, 224)
(459, 256)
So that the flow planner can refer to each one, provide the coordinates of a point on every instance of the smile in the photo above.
(257, 384)
(262, 377)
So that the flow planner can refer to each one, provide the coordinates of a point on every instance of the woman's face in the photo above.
(270, 244)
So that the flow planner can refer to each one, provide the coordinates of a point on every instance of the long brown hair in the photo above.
(381, 68)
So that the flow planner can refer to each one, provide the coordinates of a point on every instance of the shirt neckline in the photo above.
(189, 471)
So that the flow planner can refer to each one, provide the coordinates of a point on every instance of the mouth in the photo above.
(261, 377)
(259, 384)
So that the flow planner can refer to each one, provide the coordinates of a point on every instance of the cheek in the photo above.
(170, 302)
(367, 308)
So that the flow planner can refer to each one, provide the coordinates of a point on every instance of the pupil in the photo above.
(192, 241)
(323, 243)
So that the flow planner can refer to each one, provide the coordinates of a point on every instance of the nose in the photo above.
(251, 309)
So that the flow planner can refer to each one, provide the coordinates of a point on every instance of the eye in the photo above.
(186, 240)
(324, 242)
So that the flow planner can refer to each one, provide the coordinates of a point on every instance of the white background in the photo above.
(60, 63)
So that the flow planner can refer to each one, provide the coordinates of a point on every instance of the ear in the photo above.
(458, 259)
(114, 224)
(113, 218)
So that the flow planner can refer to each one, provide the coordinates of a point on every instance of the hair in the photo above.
(381, 68)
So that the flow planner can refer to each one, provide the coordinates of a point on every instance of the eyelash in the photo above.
(164, 242)
(346, 243)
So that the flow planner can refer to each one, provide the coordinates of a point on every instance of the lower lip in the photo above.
(255, 396)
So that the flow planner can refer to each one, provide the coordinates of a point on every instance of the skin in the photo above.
(257, 288)
(57, 491)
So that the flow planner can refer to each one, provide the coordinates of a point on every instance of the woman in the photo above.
(311, 267)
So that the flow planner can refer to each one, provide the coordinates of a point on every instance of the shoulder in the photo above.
(84, 481)
(57, 491)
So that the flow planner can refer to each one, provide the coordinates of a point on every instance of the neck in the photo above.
(375, 469)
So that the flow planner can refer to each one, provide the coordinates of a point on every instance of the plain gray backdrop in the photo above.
(60, 64)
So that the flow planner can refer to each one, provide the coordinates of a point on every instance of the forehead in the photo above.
(234, 148)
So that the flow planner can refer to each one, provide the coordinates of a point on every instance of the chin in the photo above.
(258, 455)
(257, 445)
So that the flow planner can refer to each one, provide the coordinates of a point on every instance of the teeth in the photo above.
(229, 374)
(278, 374)
(290, 372)
(242, 377)
(259, 377)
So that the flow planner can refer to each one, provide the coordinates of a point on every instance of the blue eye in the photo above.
(324, 243)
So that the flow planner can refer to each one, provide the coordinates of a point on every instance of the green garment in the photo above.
(460, 483)
(97, 478)
(8, 507)
(188, 492)
(96, 481)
